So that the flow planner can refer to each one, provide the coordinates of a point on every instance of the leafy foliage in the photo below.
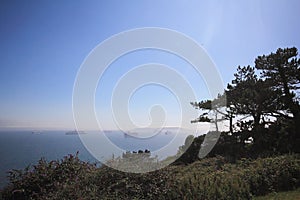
(214, 178)
(211, 178)
(267, 95)
(46, 178)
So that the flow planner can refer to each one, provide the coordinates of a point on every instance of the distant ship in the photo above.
(75, 132)
(36, 132)
(149, 132)
(130, 134)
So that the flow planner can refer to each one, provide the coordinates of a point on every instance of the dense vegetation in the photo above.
(265, 102)
(211, 178)
(259, 154)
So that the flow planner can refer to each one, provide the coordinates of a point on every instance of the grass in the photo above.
(290, 195)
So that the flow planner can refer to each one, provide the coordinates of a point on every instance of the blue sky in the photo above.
(43, 44)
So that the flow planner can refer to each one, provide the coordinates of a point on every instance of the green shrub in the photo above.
(211, 178)
(273, 174)
(48, 178)
(215, 179)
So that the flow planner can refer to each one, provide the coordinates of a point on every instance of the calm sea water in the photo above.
(19, 149)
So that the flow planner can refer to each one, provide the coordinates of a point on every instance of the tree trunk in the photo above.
(230, 124)
(256, 134)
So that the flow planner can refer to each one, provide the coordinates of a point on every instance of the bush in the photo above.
(47, 178)
(210, 178)
(213, 178)
(273, 174)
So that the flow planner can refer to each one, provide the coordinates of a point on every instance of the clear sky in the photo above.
(43, 43)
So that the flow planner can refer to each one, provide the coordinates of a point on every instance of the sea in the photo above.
(18, 149)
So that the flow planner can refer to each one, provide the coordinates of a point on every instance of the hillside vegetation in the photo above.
(211, 178)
